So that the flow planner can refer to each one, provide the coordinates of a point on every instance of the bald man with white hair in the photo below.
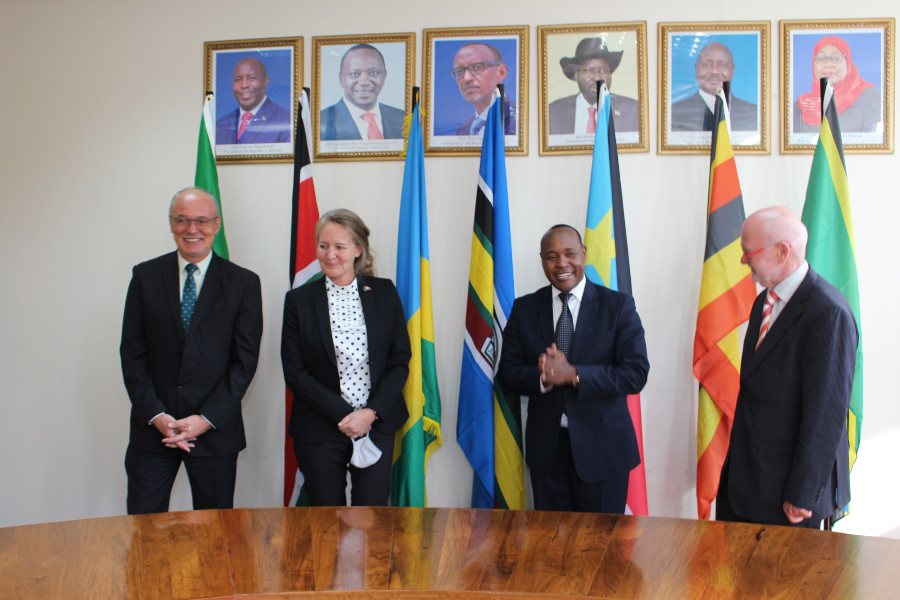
(788, 458)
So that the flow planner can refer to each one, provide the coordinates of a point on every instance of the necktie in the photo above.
(188, 297)
(565, 327)
(374, 134)
(771, 297)
(592, 119)
(245, 120)
(477, 126)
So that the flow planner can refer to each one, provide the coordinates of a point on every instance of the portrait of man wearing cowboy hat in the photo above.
(593, 61)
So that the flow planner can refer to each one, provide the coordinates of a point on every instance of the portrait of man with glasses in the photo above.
(478, 66)
(358, 115)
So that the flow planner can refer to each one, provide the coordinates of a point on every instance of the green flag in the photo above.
(831, 250)
(206, 176)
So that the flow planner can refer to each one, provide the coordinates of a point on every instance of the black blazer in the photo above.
(206, 372)
(310, 366)
(611, 356)
(789, 438)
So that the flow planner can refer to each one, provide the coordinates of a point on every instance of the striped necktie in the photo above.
(771, 297)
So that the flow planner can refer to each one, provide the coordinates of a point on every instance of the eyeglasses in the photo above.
(822, 59)
(371, 74)
(596, 72)
(203, 224)
(476, 69)
(747, 255)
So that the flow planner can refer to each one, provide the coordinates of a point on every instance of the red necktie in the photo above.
(374, 134)
(771, 297)
(245, 120)
(592, 119)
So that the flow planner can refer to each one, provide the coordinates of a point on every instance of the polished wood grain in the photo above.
(435, 554)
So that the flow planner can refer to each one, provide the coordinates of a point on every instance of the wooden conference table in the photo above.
(437, 553)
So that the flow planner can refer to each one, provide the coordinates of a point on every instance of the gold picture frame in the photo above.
(338, 135)
(866, 122)
(449, 111)
(737, 49)
(271, 69)
(561, 48)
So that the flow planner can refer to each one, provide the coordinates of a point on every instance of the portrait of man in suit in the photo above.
(358, 115)
(593, 62)
(788, 457)
(577, 350)
(257, 119)
(190, 345)
(478, 68)
(714, 66)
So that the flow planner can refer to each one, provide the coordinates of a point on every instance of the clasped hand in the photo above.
(555, 368)
(358, 423)
(181, 433)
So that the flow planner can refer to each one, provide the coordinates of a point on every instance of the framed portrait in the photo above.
(362, 89)
(256, 84)
(573, 58)
(695, 59)
(462, 69)
(858, 57)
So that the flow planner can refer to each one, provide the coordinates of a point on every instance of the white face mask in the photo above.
(365, 453)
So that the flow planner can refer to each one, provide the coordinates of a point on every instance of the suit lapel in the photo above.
(170, 283)
(370, 311)
(545, 310)
(323, 319)
(586, 313)
(213, 283)
(791, 312)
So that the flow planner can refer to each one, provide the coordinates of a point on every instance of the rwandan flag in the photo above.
(831, 250)
(726, 297)
(206, 176)
(607, 259)
(304, 267)
(488, 427)
(421, 434)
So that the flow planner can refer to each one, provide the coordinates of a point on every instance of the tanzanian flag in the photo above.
(831, 250)
(726, 297)
(421, 434)
(489, 425)
(607, 259)
(206, 176)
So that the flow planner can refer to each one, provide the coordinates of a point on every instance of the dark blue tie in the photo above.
(188, 297)
(565, 327)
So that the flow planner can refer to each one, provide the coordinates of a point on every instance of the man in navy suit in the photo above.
(788, 459)
(358, 115)
(190, 345)
(479, 68)
(256, 120)
(576, 349)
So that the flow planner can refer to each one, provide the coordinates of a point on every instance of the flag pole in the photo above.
(823, 85)
(415, 98)
(502, 89)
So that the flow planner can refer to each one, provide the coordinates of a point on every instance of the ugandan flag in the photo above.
(831, 250)
(420, 436)
(304, 267)
(206, 176)
(489, 425)
(726, 296)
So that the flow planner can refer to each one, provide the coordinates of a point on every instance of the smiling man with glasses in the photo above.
(478, 68)
(190, 346)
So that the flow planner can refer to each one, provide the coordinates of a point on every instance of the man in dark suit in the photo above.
(190, 344)
(479, 68)
(714, 66)
(257, 120)
(592, 62)
(359, 115)
(788, 459)
(579, 440)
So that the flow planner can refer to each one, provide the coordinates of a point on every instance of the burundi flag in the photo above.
(831, 250)
(726, 296)
(607, 259)
(206, 176)
(304, 267)
(488, 426)
(421, 434)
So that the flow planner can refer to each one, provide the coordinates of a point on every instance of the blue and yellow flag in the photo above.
(726, 297)
(489, 425)
(607, 259)
(421, 434)
(831, 250)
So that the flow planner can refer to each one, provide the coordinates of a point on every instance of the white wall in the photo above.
(99, 126)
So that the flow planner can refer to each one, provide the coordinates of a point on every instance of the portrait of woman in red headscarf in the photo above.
(858, 101)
